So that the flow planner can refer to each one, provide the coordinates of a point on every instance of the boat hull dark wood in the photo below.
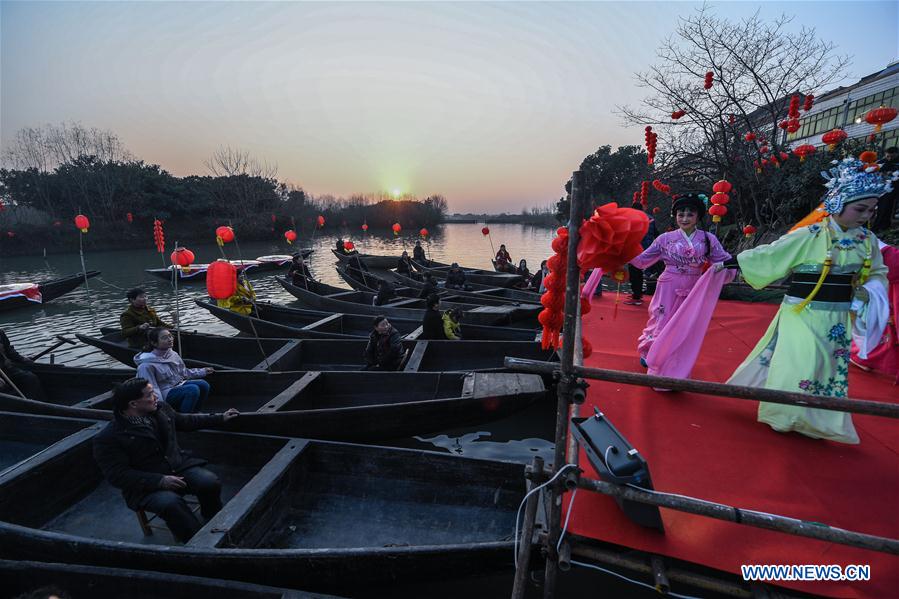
(320, 296)
(316, 515)
(472, 275)
(283, 321)
(21, 577)
(346, 406)
(50, 290)
(370, 260)
(328, 354)
(197, 272)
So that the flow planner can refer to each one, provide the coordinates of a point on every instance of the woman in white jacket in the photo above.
(181, 387)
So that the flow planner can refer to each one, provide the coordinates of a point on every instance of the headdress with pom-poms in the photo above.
(850, 180)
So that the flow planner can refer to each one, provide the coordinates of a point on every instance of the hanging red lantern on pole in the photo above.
(720, 199)
(644, 193)
(423, 232)
(748, 231)
(349, 246)
(678, 114)
(834, 137)
(320, 221)
(364, 227)
(290, 236)
(158, 235)
(709, 78)
(793, 126)
(793, 111)
(750, 136)
(650, 138)
(224, 235)
(129, 217)
(809, 102)
(803, 151)
(879, 117)
(485, 231)
(221, 279)
(82, 223)
(396, 228)
(182, 257)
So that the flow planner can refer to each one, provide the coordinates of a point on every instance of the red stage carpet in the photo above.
(713, 448)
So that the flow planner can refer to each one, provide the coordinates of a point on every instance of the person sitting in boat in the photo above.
(243, 300)
(138, 453)
(452, 324)
(385, 293)
(384, 350)
(341, 249)
(418, 253)
(503, 260)
(429, 286)
(537, 280)
(16, 368)
(179, 386)
(432, 323)
(455, 277)
(522, 270)
(298, 272)
(404, 265)
(139, 318)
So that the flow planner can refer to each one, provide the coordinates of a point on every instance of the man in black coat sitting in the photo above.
(138, 453)
(384, 350)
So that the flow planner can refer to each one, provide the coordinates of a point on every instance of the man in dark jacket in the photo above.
(455, 277)
(384, 350)
(429, 288)
(15, 366)
(432, 323)
(138, 453)
(887, 204)
(139, 318)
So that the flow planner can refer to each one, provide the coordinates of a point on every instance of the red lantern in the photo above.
(485, 231)
(722, 186)
(396, 228)
(650, 139)
(793, 125)
(656, 210)
(678, 114)
(224, 235)
(364, 227)
(221, 279)
(320, 220)
(732, 119)
(783, 124)
(644, 192)
(749, 136)
(879, 117)
(784, 156)
(717, 211)
(82, 223)
(290, 235)
(720, 198)
(809, 102)
(803, 151)
(748, 230)
(764, 149)
(709, 78)
(129, 217)
(349, 246)
(423, 232)
(158, 235)
(793, 112)
(834, 137)
(611, 237)
(182, 257)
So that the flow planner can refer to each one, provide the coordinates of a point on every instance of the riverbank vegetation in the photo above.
(53, 173)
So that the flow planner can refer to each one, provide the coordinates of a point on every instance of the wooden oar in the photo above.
(62, 341)
(9, 382)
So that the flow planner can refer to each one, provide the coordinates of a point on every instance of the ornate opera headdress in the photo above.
(851, 180)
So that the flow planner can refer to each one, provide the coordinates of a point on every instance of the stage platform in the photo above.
(714, 449)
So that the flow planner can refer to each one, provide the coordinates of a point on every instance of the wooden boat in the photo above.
(197, 272)
(369, 279)
(274, 320)
(279, 355)
(21, 577)
(297, 513)
(321, 296)
(369, 260)
(20, 295)
(348, 406)
(438, 269)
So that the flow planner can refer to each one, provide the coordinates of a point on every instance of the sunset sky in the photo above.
(491, 104)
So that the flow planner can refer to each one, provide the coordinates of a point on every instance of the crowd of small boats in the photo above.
(307, 505)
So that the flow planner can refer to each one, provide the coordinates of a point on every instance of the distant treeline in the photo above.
(534, 216)
(58, 172)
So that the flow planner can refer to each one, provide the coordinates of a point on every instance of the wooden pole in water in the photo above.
(176, 274)
(566, 383)
(11, 384)
(523, 560)
(718, 390)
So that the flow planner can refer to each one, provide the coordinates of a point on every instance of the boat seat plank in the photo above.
(286, 349)
(318, 323)
(403, 302)
(414, 335)
(290, 393)
(418, 353)
(258, 491)
(96, 401)
(487, 384)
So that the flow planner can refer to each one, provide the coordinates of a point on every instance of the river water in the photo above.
(34, 329)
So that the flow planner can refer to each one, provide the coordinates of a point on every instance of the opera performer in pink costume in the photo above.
(687, 253)
(885, 357)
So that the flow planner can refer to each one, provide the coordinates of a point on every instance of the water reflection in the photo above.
(34, 329)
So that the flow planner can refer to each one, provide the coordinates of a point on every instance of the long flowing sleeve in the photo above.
(764, 264)
(717, 253)
(650, 255)
(872, 317)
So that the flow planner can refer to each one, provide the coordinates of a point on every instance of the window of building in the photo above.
(820, 122)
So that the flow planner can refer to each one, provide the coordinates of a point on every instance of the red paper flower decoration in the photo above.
(611, 237)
